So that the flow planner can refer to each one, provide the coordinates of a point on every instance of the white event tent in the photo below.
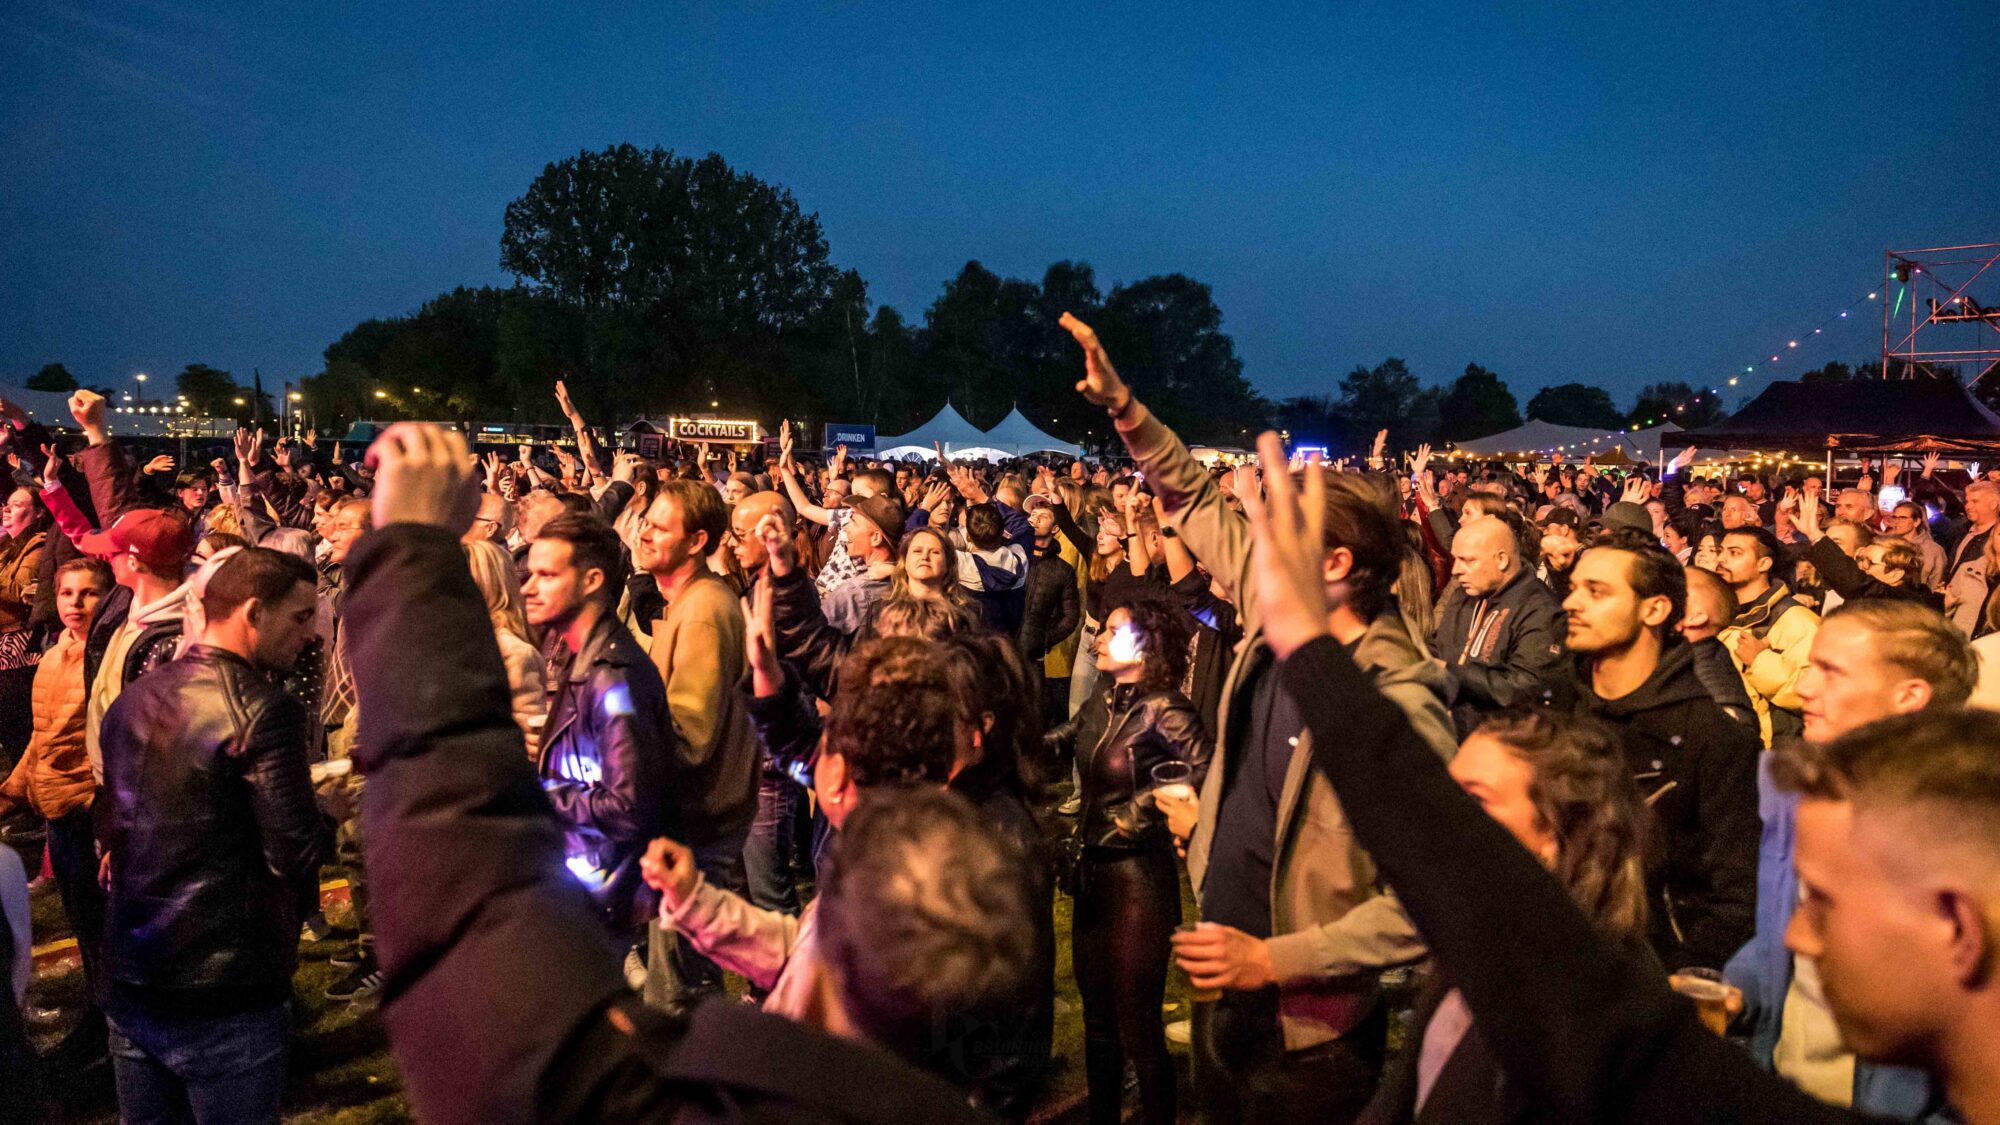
(1020, 437)
(948, 428)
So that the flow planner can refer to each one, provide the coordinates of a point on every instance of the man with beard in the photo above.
(1772, 631)
(603, 757)
(212, 846)
(1696, 768)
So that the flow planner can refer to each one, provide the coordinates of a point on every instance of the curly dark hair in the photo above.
(1583, 792)
(1167, 631)
(894, 719)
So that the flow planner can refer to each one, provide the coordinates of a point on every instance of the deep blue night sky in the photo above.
(1611, 193)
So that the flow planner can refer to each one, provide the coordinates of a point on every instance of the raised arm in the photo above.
(469, 885)
(1189, 496)
(1584, 1027)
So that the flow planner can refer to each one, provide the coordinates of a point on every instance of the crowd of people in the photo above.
(1675, 787)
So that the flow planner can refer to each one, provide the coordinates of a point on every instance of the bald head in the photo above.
(1484, 556)
(743, 521)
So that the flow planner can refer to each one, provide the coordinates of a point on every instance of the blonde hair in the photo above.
(224, 518)
(493, 572)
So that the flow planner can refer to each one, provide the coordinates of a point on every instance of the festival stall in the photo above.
(1862, 416)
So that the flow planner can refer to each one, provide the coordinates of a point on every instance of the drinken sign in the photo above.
(714, 429)
(857, 438)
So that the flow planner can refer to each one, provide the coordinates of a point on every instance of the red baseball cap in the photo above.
(158, 538)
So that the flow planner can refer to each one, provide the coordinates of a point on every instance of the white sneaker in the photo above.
(635, 970)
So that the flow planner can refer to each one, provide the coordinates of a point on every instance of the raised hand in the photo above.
(1242, 480)
(1289, 526)
(1426, 488)
(562, 399)
(936, 494)
(669, 868)
(625, 467)
(785, 443)
(1422, 459)
(422, 475)
(87, 408)
(1375, 452)
(52, 454)
(777, 540)
(312, 440)
(1930, 464)
(1684, 458)
(1807, 520)
(1100, 383)
(158, 465)
(1889, 471)
(1636, 489)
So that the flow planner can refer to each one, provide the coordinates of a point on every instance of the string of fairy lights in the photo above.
(1778, 356)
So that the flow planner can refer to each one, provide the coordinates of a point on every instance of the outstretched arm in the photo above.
(1585, 1028)
(469, 884)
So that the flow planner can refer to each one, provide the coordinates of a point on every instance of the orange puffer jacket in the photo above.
(53, 776)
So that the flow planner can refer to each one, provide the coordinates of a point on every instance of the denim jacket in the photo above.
(1763, 968)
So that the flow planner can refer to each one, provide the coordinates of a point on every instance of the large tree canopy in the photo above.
(52, 377)
(1477, 405)
(722, 249)
(1576, 404)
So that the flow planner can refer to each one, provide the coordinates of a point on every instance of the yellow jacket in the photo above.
(1773, 677)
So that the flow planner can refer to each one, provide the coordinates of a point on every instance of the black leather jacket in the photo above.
(604, 757)
(1119, 736)
(214, 839)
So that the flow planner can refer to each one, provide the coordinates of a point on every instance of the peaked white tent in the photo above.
(947, 427)
(1020, 437)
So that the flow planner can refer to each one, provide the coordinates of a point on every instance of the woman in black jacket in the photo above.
(1127, 888)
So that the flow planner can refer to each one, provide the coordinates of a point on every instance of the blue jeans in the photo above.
(769, 854)
(675, 973)
(203, 1069)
